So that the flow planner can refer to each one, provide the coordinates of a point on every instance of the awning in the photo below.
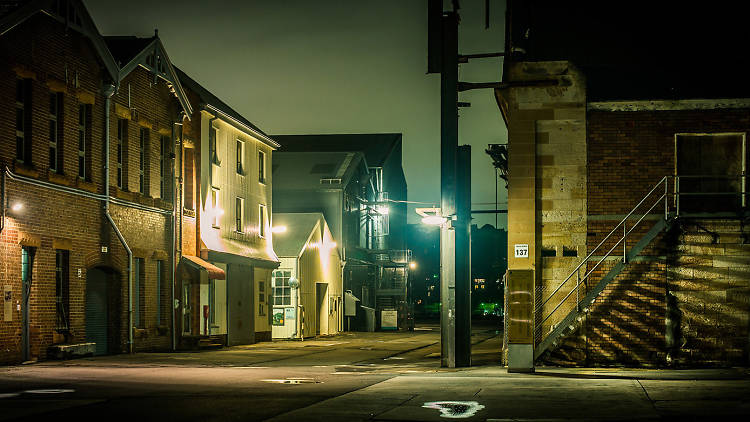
(214, 272)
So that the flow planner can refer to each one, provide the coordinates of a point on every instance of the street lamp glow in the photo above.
(434, 220)
(413, 265)
(278, 229)
(17, 207)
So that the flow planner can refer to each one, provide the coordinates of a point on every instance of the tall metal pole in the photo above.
(449, 146)
(462, 229)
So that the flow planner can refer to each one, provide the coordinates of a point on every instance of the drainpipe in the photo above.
(2, 202)
(109, 90)
(176, 203)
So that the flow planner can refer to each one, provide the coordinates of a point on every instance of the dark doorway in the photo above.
(101, 309)
(711, 172)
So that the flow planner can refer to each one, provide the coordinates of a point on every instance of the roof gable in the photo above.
(70, 12)
(150, 54)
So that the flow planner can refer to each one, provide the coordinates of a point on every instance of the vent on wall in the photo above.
(569, 251)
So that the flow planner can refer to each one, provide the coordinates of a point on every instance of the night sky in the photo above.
(309, 67)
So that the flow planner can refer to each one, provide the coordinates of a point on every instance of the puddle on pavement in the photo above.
(455, 409)
(50, 391)
(293, 381)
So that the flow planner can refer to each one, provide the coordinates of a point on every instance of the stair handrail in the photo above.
(664, 180)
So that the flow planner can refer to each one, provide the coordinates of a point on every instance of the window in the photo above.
(215, 208)
(143, 161)
(211, 302)
(261, 167)
(55, 144)
(262, 220)
(239, 215)
(84, 141)
(188, 189)
(282, 292)
(62, 290)
(240, 157)
(160, 297)
(122, 136)
(139, 292)
(163, 173)
(23, 120)
(261, 298)
(213, 140)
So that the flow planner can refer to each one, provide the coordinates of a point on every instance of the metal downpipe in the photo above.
(108, 92)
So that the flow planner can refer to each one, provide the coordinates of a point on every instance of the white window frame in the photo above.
(215, 200)
(262, 177)
(240, 166)
(239, 203)
(120, 152)
(262, 211)
(54, 132)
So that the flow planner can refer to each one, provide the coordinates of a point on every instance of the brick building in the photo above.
(84, 253)
(626, 180)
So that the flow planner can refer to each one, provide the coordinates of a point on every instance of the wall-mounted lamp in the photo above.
(16, 207)
(431, 216)
(278, 229)
(413, 265)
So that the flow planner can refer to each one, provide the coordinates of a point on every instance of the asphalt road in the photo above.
(364, 376)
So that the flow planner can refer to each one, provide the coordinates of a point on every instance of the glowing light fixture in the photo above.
(413, 265)
(431, 216)
(17, 207)
(278, 229)
(383, 210)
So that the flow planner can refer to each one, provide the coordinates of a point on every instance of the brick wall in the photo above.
(63, 61)
(628, 153)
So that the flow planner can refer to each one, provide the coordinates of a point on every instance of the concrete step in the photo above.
(70, 350)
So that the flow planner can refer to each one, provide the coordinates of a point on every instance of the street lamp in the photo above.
(431, 216)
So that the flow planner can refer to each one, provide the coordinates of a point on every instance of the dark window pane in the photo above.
(81, 167)
(53, 159)
(19, 119)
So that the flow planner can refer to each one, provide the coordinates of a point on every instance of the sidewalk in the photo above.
(552, 394)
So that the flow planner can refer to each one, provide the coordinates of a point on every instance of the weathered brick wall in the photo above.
(628, 153)
(63, 61)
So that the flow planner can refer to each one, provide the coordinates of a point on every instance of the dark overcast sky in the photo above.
(302, 67)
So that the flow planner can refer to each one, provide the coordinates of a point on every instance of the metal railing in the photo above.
(623, 229)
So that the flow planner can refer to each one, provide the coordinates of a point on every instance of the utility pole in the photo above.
(455, 249)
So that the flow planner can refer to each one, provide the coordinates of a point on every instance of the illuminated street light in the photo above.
(413, 265)
(278, 229)
(17, 207)
(431, 216)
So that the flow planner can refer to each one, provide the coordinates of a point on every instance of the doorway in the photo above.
(321, 308)
(100, 305)
(711, 170)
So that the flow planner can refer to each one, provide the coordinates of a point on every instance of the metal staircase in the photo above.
(572, 320)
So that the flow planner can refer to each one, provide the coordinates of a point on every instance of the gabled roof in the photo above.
(215, 106)
(299, 228)
(14, 13)
(314, 170)
(150, 54)
(376, 147)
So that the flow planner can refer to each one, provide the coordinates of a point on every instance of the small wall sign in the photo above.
(522, 250)
(104, 249)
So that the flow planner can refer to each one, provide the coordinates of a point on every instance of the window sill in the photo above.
(25, 169)
(86, 185)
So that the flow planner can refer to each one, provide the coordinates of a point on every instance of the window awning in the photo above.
(214, 272)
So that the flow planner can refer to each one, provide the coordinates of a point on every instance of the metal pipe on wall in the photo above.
(108, 92)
